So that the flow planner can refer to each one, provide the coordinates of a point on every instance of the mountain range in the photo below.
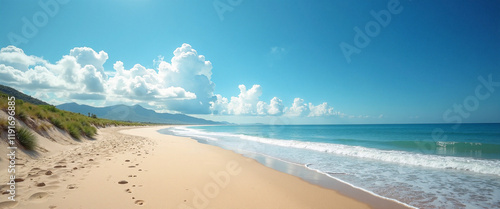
(20, 96)
(134, 113)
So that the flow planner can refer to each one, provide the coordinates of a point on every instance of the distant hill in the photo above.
(12, 92)
(134, 113)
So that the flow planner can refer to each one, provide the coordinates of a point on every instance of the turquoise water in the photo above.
(460, 168)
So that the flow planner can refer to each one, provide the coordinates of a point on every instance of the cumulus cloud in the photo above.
(68, 74)
(182, 84)
(275, 107)
(299, 108)
(142, 84)
(87, 56)
(248, 103)
(192, 72)
(321, 110)
(219, 106)
(16, 58)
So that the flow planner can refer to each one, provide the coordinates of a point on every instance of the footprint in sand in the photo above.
(139, 202)
(34, 171)
(38, 196)
(8, 204)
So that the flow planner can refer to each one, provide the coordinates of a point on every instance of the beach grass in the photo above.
(75, 124)
(56, 122)
(74, 130)
(26, 138)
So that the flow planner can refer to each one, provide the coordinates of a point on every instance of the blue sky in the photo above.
(425, 59)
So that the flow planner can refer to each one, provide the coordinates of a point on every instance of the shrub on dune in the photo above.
(89, 131)
(73, 131)
(41, 115)
(22, 115)
(26, 138)
(56, 122)
(4, 124)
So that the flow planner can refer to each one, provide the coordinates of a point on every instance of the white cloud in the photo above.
(31, 72)
(275, 107)
(193, 73)
(16, 58)
(142, 84)
(181, 85)
(299, 108)
(87, 56)
(10, 75)
(321, 110)
(248, 103)
(219, 106)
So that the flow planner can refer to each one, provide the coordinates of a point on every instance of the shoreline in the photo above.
(321, 179)
(341, 200)
(324, 180)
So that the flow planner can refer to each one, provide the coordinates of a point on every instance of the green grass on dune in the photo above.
(26, 138)
(56, 122)
(75, 124)
(74, 129)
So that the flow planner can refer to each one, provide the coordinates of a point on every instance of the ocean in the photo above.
(455, 167)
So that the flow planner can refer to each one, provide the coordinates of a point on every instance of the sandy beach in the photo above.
(139, 167)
